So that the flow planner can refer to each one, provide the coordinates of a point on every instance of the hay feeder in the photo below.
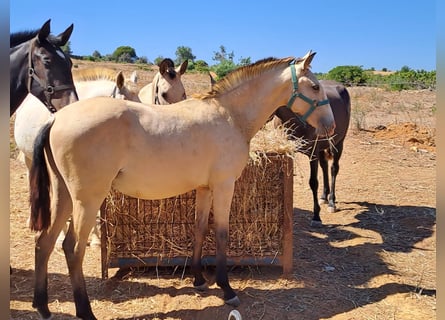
(137, 232)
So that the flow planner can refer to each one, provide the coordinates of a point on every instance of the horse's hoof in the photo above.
(202, 287)
(234, 302)
(234, 315)
(45, 315)
(316, 224)
(332, 209)
(322, 201)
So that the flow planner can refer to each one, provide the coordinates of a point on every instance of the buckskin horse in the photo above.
(148, 152)
(166, 86)
(320, 151)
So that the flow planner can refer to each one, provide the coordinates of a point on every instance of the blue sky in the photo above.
(372, 34)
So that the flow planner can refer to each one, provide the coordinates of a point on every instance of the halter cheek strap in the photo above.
(313, 104)
(48, 90)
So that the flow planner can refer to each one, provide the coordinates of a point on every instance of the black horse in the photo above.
(320, 151)
(39, 66)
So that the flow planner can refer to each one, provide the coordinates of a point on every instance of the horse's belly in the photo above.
(157, 186)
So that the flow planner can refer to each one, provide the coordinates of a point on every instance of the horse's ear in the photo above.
(44, 31)
(165, 64)
(120, 80)
(62, 38)
(134, 77)
(307, 59)
(183, 67)
(213, 77)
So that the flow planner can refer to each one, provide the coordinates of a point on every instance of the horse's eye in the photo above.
(316, 87)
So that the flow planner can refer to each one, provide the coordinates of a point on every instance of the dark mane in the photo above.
(19, 37)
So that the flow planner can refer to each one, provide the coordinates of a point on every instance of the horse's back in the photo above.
(145, 151)
(30, 118)
(340, 102)
(96, 88)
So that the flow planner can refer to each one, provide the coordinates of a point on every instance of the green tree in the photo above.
(199, 65)
(127, 53)
(96, 55)
(223, 68)
(125, 57)
(158, 60)
(184, 53)
(348, 75)
(142, 60)
(222, 55)
(244, 61)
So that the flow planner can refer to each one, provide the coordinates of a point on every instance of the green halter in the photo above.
(313, 103)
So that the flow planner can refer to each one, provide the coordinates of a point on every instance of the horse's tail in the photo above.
(39, 183)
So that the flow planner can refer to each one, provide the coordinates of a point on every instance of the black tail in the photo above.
(39, 183)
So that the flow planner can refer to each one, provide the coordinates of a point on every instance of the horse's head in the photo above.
(308, 100)
(126, 90)
(49, 68)
(167, 86)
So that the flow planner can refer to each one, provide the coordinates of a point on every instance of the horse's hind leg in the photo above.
(45, 241)
(83, 220)
(324, 168)
(313, 183)
(334, 172)
(203, 204)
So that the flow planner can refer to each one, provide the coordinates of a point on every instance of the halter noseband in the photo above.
(48, 90)
(295, 94)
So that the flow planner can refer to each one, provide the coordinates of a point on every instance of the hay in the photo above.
(163, 229)
(272, 139)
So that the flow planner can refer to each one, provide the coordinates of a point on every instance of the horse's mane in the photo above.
(242, 74)
(19, 37)
(95, 73)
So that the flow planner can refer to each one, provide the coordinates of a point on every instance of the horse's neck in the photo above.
(96, 88)
(252, 103)
(18, 80)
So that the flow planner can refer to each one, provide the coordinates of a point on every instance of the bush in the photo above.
(124, 54)
(224, 68)
(348, 75)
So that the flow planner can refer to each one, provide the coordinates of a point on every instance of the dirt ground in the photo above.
(373, 259)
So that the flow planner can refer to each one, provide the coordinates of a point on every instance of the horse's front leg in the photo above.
(202, 208)
(222, 200)
(334, 172)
